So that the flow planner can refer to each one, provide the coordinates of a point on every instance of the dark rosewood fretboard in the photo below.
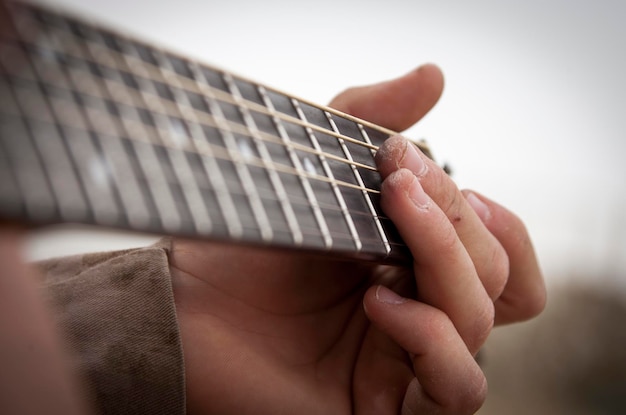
(99, 128)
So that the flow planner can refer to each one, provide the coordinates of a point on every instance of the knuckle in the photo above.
(532, 305)
(439, 328)
(473, 397)
(469, 398)
(444, 192)
(481, 327)
(495, 271)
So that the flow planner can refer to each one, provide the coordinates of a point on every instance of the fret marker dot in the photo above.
(309, 167)
(100, 171)
(246, 150)
(178, 132)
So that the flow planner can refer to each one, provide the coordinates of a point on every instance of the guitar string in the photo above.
(218, 151)
(221, 152)
(190, 85)
(209, 120)
(193, 83)
(282, 167)
(296, 201)
(293, 200)
(240, 128)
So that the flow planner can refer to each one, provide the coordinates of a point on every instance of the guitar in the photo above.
(100, 128)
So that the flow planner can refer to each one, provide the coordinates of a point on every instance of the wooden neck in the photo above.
(103, 129)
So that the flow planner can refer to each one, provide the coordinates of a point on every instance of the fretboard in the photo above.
(102, 129)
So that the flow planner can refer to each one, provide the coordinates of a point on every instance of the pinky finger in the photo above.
(447, 378)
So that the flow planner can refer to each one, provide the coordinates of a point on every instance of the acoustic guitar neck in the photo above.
(100, 128)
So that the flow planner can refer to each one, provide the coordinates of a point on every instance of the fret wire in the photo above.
(151, 131)
(338, 196)
(131, 38)
(56, 161)
(240, 164)
(168, 108)
(189, 85)
(40, 203)
(147, 160)
(302, 123)
(104, 210)
(139, 119)
(129, 192)
(211, 172)
(283, 197)
(321, 222)
(357, 175)
(34, 186)
(343, 208)
(194, 199)
(134, 207)
(366, 137)
(259, 108)
(234, 126)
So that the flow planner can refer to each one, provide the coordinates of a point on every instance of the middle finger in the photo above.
(487, 254)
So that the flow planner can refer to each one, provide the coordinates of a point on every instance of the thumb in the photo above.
(396, 104)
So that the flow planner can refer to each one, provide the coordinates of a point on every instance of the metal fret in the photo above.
(213, 172)
(359, 178)
(50, 146)
(154, 163)
(185, 133)
(335, 189)
(110, 159)
(242, 172)
(277, 186)
(306, 186)
(103, 129)
(31, 180)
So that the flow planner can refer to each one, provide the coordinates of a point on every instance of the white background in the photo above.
(533, 112)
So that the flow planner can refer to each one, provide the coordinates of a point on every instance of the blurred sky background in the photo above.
(533, 114)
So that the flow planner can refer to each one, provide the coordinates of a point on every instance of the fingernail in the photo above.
(386, 296)
(412, 160)
(480, 207)
(417, 194)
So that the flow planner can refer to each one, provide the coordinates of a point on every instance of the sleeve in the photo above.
(116, 311)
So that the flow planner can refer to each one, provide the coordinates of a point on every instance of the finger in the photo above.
(524, 295)
(447, 378)
(395, 104)
(444, 272)
(487, 254)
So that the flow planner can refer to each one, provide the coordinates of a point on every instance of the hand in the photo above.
(268, 332)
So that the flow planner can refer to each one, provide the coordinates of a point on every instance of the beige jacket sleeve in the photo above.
(117, 313)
